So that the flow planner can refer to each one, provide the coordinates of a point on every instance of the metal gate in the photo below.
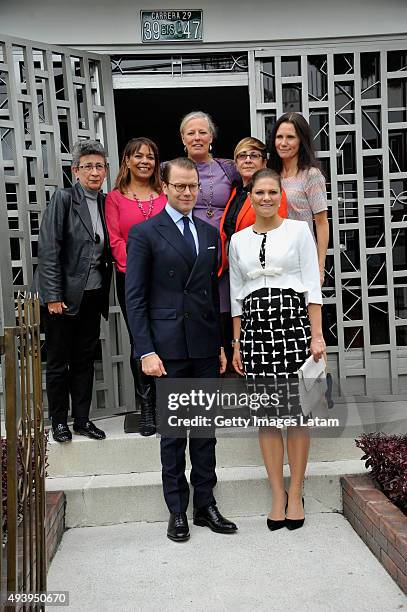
(355, 98)
(50, 97)
(23, 556)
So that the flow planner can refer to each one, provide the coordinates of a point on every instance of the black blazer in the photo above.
(172, 301)
(65, 247)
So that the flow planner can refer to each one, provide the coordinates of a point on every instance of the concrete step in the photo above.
(124, 453)
(241, 491)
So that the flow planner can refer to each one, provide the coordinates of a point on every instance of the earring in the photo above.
(185, 149)
(210, 147)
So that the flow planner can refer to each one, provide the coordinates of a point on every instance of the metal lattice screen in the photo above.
(356, 103)
(49, 98)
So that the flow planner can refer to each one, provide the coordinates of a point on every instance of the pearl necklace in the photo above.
(145, 214)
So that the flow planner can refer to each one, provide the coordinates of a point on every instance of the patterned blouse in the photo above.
(306, 195)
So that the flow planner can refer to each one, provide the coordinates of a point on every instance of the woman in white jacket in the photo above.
(276, 308)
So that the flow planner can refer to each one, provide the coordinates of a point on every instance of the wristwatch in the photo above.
(235, 341)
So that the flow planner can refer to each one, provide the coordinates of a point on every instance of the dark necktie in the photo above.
(189, 237)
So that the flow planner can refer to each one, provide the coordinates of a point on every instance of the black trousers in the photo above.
(143, 385)
(71, 343)
(201, 450)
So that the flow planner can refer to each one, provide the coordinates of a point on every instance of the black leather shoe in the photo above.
(178, 530)
(61, 433)
(292, 524)
(209, 516)
(90, 430)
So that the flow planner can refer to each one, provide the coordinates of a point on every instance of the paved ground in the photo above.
(323, 567)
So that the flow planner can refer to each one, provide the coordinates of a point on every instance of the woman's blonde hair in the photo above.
(250, 143)
(198, 115)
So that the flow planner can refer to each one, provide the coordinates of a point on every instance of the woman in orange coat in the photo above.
(250, 155)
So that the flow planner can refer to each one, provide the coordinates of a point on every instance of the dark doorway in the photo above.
(156, 113)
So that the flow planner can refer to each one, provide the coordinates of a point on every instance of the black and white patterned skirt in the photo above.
(275, 338)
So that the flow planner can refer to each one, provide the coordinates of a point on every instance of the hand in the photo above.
(317, 347)
(56, 307)
(237, 360)
(153, 366)
(222, 360)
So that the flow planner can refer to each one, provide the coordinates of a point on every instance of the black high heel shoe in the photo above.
(292, 524)
(274, 525)
(328, 394)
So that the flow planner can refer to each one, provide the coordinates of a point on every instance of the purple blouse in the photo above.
(216, 178)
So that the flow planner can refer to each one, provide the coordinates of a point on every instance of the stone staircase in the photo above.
(118, 480)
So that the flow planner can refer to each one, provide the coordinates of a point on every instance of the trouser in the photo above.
(71, 343)
(201, 450)
(144, 386)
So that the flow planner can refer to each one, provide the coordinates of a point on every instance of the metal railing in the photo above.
(22, 512)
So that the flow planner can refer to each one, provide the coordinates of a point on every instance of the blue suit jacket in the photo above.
(172, 301)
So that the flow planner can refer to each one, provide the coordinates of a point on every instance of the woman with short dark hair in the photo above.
(250, 155)
(74, 273)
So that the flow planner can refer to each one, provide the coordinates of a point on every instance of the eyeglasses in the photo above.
(180, 187)
(89, 167)
(253, 156)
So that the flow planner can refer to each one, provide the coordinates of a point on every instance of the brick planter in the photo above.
(54, 522)
(381, 525)
(54, 529)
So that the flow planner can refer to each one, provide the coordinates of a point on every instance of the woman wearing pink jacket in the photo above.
(136, 197)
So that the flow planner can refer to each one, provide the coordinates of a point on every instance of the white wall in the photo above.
(102, 23)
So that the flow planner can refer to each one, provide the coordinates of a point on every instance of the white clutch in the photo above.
(312, 387)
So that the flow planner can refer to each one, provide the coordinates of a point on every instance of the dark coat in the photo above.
(172, 301)
(65, 248)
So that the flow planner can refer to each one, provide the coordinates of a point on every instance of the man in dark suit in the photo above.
(172, 303)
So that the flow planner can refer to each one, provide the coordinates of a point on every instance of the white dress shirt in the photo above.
(177, 217)
(291, 262)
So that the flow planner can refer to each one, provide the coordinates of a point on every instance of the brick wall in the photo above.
(381, 525)
(54, 522)
(54, 529)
